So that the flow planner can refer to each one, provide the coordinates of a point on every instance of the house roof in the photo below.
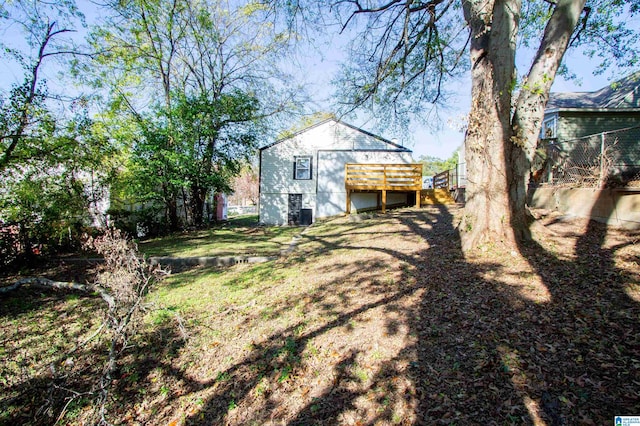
(306, 129)
(621, 94)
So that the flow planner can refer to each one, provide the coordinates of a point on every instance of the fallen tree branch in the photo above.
(181, 326)
(74, 397)
(70, 285)
(88, 339)
(123, 280)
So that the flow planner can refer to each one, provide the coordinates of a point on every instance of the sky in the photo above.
(323, 63)
(320, 64)
(446, 139)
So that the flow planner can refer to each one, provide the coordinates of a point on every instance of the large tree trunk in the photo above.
(198, 198)
(174, 219)
(199, 190)
(532, 100)
(487, 217)
(25, 239)
(499, 148)
(171, 206)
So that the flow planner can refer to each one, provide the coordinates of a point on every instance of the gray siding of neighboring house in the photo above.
(575, 127)
(579, 114)
(584, 127)
(575, 124)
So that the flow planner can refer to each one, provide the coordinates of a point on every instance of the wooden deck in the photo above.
(383, 178)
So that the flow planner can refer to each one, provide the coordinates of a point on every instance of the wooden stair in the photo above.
(436, 196)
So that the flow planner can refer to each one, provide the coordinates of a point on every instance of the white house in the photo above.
(302, 177)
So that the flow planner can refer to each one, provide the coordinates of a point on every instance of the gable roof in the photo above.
(397, 147)
(624, 93)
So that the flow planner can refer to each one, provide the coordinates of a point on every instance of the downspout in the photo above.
(259, 181)
(316, 171)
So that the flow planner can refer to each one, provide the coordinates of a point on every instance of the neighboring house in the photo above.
(574, 115)
(302, 177)
(588, 161)
(581, 127)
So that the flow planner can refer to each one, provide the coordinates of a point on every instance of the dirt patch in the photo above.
(383, 321)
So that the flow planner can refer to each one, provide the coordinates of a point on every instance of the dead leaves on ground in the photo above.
(387, 322)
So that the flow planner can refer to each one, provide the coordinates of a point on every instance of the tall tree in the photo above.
(138, 43)
(25, 116)
(51, 163)
(215, 64)
(218, 136)
(405, 51)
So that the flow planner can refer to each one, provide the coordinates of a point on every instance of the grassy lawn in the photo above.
(240, 236)
(376, 321)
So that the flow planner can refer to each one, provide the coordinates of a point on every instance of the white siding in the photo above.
(273, 209)
(330, 145)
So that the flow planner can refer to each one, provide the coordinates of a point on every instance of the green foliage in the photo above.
(223, 376)
(165, 390)
(217, 136)
(195, 148)
(26, 119)
(52, 164)
(212, 73)
(49, 210)
(141, 222)
(434, 165)
(51, 185)
(24, 123)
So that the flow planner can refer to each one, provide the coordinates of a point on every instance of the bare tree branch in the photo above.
(60, 285)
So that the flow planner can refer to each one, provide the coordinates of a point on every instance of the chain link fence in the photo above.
(608, 159)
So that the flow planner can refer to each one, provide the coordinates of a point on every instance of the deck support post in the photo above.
(381, 178)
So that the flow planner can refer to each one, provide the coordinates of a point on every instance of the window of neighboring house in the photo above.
(549, 128)
(302, 168)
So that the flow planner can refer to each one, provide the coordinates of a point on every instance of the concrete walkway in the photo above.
(226, 260)
(208, 260)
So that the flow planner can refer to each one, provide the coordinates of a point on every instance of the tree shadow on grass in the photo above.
(491, 348)
(277, 359)
(39, 375)
(414, 332)
(50, 371)
(404, 379)
(592, 323)
(486, 340)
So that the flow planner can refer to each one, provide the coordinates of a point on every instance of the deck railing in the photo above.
(441, 180)
(390, 177)
(382, 177)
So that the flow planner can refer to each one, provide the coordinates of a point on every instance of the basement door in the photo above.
(295, 205)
